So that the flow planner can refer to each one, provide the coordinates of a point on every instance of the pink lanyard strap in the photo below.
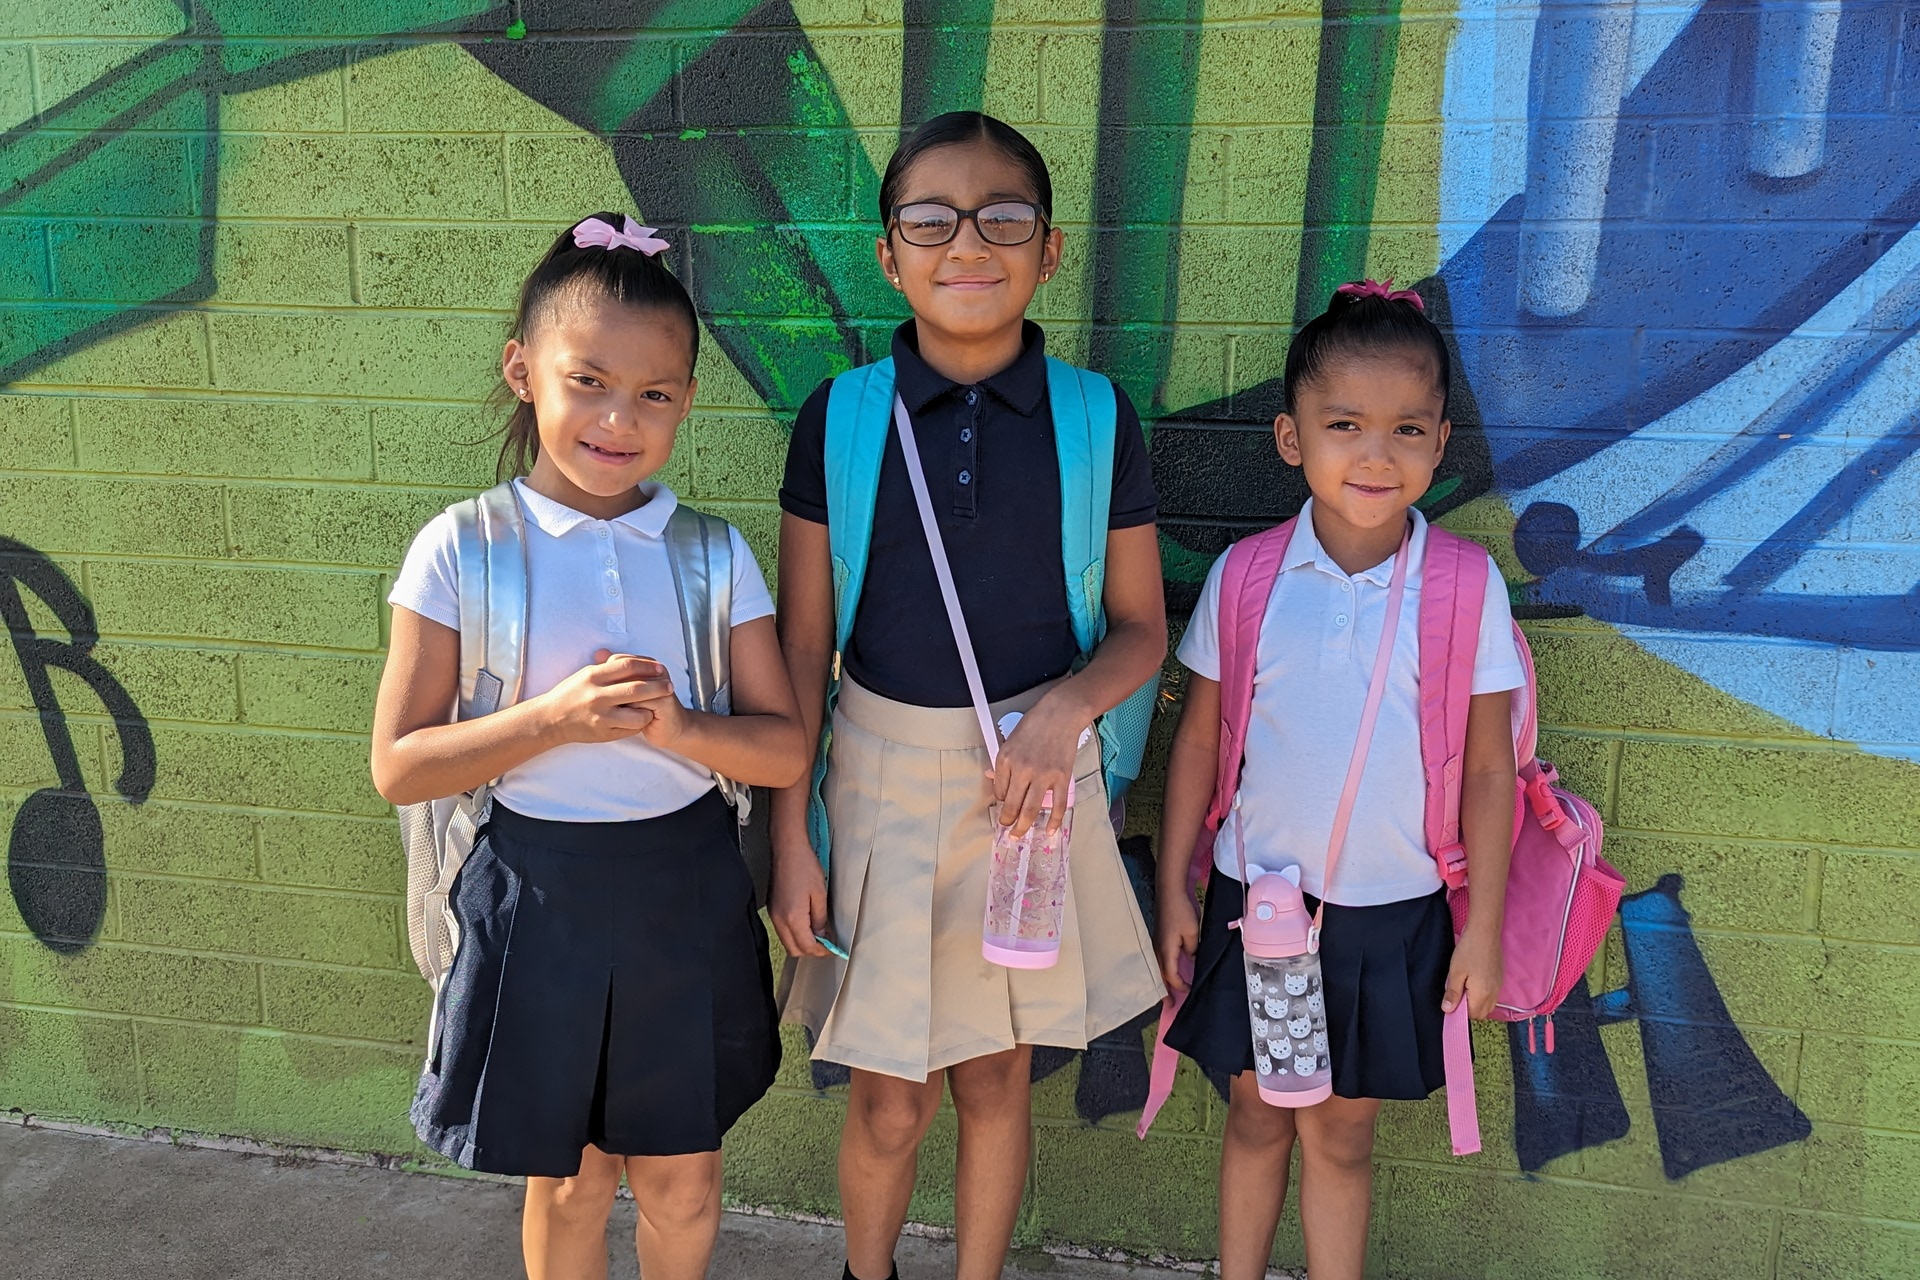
(917, 477)
(1369, 716)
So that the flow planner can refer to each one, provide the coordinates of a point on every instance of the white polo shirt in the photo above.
(592, 584)
(1314, 663)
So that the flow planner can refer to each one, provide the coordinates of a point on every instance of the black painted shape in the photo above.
(826, 1075)
(1713, 1100)
(1567, 1100)
(56, 854)
(1115, 1071)
(1049, 1058)
(1547, 539)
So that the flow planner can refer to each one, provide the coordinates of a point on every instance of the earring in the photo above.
(522, 392)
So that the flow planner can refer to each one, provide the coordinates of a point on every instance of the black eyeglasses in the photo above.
(928, 223)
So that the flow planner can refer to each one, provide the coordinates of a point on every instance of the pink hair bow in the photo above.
(1375, 289)
(599, 233)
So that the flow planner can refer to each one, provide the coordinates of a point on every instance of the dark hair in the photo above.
(957, 128)
(1364, 324)
(622, 274)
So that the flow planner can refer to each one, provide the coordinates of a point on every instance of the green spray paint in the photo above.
(1359, 40)
(1149, 69)
(944, 67)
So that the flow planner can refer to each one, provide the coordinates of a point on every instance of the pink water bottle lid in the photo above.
(1277, 922)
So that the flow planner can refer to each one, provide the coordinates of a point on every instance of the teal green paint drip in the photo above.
(944, 60)
(1180, 564)
(517, 30)
(649, 64)
(1359, 43)
(1438, 493)
(1149, 69)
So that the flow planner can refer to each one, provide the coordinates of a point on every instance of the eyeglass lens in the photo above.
(1007, 222)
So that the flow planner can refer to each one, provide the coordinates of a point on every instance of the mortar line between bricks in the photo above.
(350, 1042)
(260, 811)
(1770, 842)
(228, 957)
(236, 647)
(264, 886)
(278, 731)
(1813, 890)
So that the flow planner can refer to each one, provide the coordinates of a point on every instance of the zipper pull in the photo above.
(1532, 1046)
(1549, 1033)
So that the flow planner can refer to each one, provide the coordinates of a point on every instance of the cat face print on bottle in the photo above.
(1299, 1027)
(1296, 984)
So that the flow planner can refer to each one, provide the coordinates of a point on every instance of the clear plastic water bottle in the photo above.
(1286, 1001)
(1027, 885)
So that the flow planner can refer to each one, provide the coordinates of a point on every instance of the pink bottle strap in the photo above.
(917, 478)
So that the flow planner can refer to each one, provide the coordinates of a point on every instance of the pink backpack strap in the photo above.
(1246, 588)
(1453, 589)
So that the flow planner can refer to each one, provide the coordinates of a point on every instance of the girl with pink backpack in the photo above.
(1320, 806)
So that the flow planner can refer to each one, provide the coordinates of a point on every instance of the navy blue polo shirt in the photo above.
(994, 478)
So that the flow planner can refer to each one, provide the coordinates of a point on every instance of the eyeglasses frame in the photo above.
(1041, 223)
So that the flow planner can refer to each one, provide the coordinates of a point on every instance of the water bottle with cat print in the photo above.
(1286, 1002)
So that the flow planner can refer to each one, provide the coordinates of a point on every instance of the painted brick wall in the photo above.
(255, 262)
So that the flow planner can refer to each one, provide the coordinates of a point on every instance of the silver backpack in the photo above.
(491, 554)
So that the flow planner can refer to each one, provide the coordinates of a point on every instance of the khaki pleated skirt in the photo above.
(908, 802)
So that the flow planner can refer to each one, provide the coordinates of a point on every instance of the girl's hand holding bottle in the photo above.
(1036, 758)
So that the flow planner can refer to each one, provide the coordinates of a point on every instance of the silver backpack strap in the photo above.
(700, 550)
(491, 564)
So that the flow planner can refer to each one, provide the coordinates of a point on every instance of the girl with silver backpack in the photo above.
(582, 687)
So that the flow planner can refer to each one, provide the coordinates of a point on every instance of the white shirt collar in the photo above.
(1305, 549)
(558, 519)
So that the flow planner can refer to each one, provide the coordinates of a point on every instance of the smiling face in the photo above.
(968, 290)
(610, 385)
(1368, 431)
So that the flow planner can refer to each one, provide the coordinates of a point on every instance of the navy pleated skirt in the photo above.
(1384, 969)
(611, 987)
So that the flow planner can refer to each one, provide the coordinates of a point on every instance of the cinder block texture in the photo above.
(257, 266)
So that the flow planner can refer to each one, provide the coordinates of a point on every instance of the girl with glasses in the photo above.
(881, 867)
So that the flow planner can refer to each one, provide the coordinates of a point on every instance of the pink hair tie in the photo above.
(598, 233)
(1375, 289)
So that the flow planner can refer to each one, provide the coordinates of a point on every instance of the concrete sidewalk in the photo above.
(75, 1206)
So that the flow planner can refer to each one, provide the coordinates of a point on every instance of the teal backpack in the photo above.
(859, 420)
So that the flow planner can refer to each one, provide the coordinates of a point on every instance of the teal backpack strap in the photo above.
(859, 415)
(1085, 429)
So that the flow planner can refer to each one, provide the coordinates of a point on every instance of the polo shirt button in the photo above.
(966, 477)
(972, 395)
(1340, 621)
(966, 435)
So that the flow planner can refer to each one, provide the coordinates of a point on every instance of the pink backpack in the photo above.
(1561, 895)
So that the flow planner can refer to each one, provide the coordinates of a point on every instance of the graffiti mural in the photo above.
(56, 854)
(1673, 247)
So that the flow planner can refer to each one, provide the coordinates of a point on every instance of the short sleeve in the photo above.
(803, 492)
(1496, 663)
(750, 598)
(429, 580)
(1134, 501)
(1200, 647)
